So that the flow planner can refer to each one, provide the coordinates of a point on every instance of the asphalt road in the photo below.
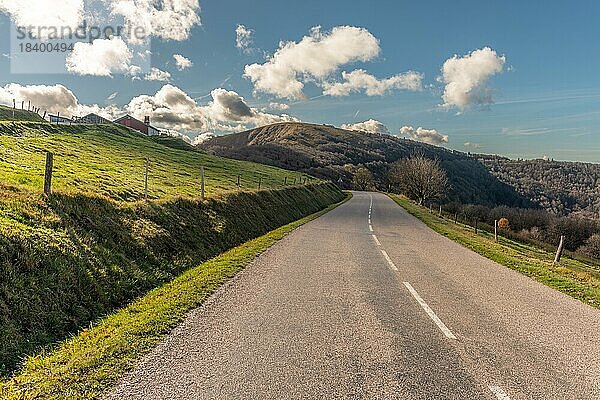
(336, 310)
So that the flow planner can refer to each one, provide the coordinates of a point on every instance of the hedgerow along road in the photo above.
(367, 302)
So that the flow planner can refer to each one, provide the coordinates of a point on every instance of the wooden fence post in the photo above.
(560, 250)
(476, 225)
(440, 214)
(146, 179)
(48, 174)
(202, 181)
(496, 230)
(238, 181)
(285, 181)
(259, 182)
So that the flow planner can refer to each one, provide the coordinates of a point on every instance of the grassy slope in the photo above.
(89, 363)
(92, 246)
(110, 161)
(571, 277)
(6, 114)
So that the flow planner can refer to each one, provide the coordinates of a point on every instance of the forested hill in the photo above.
(328, 152)
(558, 186)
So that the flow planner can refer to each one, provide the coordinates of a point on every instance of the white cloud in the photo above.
(167, 19)
(172, 108)
(203, 137)
(430, 136)
(44, 13)
(182, 62)
(156, 74)
(102, 57)
(243, 37)
(466, 78)
(312, 58)
(371, 125)
(54, 99)
(472, 145)
(278, 106)
(169, 108)
(359, 80)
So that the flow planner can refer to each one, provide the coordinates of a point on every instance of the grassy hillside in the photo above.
(93, 246)
(110, 160)
(331, 153)
(6, 114)
(572, 277)
(89, 363)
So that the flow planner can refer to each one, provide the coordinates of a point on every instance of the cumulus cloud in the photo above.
(46, 13)
(243, 37)
(172, 108)
(167, 19)
(312, 58)
(156, 74)
(361, 81)
(466, 78)
(472, 145)
(55, 98)
(182, 62)
(203, 137)
(430, 136)
(102, 57)
(278, 106)
(371, 125)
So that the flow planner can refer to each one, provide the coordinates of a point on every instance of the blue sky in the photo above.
(546, 99)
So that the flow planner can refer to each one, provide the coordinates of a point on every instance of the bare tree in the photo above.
(363, 179)
(419, 178)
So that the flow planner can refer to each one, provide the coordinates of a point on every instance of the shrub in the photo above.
(503, 223)
(591, 248)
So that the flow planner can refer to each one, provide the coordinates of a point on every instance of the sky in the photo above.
(513, 78)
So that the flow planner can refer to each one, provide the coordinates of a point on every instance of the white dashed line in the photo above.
(389, 260)
(430, 312)
(370, 228)
(376, 240)
(499, 393)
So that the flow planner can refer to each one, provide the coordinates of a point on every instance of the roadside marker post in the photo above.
(559, 252)
(496, 230)
(238, 181)
(48, 173)
(259, 182)
(285, 181)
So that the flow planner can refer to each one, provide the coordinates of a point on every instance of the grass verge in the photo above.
(86, 365)
(571, 277)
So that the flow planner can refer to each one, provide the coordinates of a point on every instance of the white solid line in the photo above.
(389, 260)
(430, 312)
(499, 393)
(376, 240)
(370, 228)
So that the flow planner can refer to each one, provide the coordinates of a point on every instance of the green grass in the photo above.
(93, 245)
(86, 365)
(110, 160)
(6, 114)
(572, 277)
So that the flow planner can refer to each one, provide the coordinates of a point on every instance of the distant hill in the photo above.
(559, 187)
(6, 114)
(328, 152)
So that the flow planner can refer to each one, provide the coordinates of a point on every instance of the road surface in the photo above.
(366, 302)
